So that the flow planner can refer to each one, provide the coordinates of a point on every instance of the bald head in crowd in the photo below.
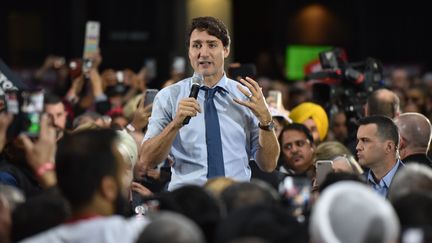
(415, 131)
(383, 102)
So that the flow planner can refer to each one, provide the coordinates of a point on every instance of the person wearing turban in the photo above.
(314, 117)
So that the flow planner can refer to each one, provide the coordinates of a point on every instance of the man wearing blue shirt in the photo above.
(243, 128)
(378, 141)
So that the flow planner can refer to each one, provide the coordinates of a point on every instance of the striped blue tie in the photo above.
(213, 137)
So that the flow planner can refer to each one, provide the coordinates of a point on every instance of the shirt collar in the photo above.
(222, 83)
(387, 179)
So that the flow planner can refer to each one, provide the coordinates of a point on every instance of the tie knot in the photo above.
(211, 92)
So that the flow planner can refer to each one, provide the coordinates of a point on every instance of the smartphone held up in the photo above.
(27, 108)
(323, 168)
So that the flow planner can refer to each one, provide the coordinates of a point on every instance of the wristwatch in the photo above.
(268, 127)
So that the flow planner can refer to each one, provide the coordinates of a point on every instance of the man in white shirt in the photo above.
(89, 174)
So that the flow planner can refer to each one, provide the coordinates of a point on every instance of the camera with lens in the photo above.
(343, 85)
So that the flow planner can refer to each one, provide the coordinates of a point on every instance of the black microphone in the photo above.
(196, 80)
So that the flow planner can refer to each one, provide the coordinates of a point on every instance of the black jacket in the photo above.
(418, 158)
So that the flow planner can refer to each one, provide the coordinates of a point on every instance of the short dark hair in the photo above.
(242, 194)
(51, 99)
(386, 128)
(271, 223)
(82, 160)
(195, 203)
(213, 26)
(297, 127)
(334, 177)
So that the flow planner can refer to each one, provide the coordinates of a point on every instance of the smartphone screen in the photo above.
(31, 112)
(276, 98)
(149, 96)
(12, 103)
(323, 168)
(91, 39)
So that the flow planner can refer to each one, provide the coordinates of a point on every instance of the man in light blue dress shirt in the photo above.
(246, 128)
(378, 141)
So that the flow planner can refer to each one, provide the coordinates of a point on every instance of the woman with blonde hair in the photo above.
(342, 158)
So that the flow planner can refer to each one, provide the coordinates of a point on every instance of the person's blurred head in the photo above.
(383, 102)
(297, 147)
(412, 178)
(339, 127)
(314, 117)
(195, 203)
(88, 117)
(416, 96)
(217, 185)
(400, 79)
(351, 212)
(171, 227)
(268, 222)
(89, 171)
(338, 176)
(55, 108)
(415, 131)
(118, 121)
(415, 212)
(243, 194)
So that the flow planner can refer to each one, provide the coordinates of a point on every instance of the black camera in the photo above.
(345, 85)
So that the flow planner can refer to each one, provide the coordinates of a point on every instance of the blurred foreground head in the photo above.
(351, 212)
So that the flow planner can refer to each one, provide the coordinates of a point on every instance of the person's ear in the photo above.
(390, 146)
(312, 148)
(402, 143)
(226, 51)
(109, 188)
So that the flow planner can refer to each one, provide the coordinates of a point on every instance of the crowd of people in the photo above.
(224, 162)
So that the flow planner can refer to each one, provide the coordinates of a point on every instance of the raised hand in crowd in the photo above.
(141, 115)
(73, 93)
(51, 61)
(40, 154)
(96, 82)
(139, 120)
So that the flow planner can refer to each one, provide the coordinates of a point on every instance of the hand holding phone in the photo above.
(27, 108)
(91, 45)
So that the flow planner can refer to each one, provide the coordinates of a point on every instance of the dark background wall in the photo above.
(132, 30)
(395, 32)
